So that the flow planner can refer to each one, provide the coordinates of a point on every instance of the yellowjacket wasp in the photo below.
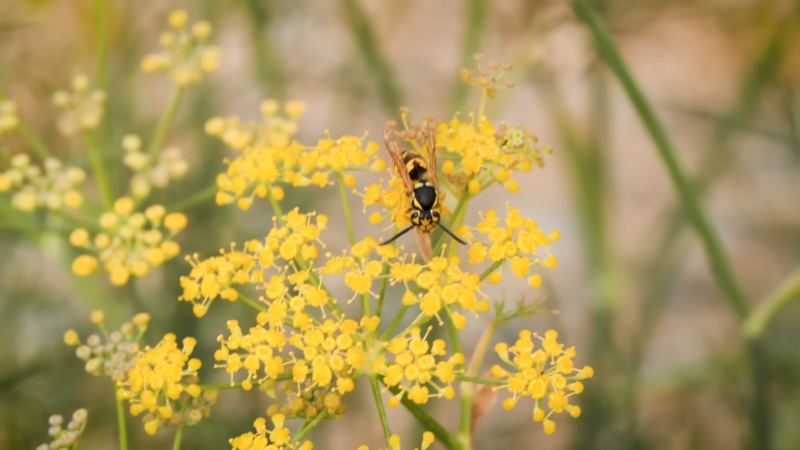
(421, 180)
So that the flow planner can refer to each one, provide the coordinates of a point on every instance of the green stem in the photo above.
(33, 142)
(467, 387)
(194, 200)
(429, 423)
(476, 25)
(251, 303)
(366, 42)
(376, 394)
(123, 432)
(720, 266)
(491, 269)
(465, 421)
(394, 323)
(164, 122)
(99, 169)
(343, 194)
(101, 37)
(176, 445)
(767, 309)
(477, 380)
(303, 432)
(384, 285)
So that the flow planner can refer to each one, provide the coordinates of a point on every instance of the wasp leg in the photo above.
(450, 233)
(399, 233)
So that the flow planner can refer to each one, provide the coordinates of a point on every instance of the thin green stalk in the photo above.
(196, 199)
(343, 194)
(477, 380)
(266, 57)
(367, 44)
(376, 394)
(303, 432)
(99, 169)
(720, 266)
(384, 285)
(491, 269)
(395, 323)
(101, 38)
(33, 142)
(466, 400)
(251, 303)
(176, 445)
(443, 436)
(165, 121)
(123, 432)
(467, 387)
(767, 309)
(476, 25)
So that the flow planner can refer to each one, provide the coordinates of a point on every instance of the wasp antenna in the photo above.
(453, 235)
(400, 233)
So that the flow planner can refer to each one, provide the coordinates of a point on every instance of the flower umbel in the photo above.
(278, 438)
(132, 243)
(544, 372)
(185, 56)
(53, 187)
(66, 437)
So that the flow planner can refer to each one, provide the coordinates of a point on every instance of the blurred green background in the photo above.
(633, 287)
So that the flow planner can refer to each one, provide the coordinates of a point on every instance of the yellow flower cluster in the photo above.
(323, 354)
(547, 371)
(160, 378)
(8, 116)
(278, 438)
(392, 199)
(69, 437)
(520, 237)
(269, 154)
(186, 56)
(473, 154)
(170, 165)
(82, 108)
(53, 188)
(415, 362)
(131, 244)
(394, 442)
(295, 238)
(487, 78)
(117, 355)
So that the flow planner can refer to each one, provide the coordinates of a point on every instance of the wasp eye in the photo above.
(414, 215)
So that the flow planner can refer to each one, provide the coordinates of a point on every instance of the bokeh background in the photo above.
(633, 289)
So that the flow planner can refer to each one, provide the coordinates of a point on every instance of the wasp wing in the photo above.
(397, 158)
(430, 142)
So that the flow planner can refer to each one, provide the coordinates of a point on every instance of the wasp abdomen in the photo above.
(416, 167)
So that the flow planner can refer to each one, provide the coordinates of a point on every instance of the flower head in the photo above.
(152, 172)
(186, 56)
(269, 156)
(131, 243)
(163, 381)
(8, 116)
(278, 438)
(51, 186)
(66, 436)
(546, 374)
(82, 107)
(415, 368)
